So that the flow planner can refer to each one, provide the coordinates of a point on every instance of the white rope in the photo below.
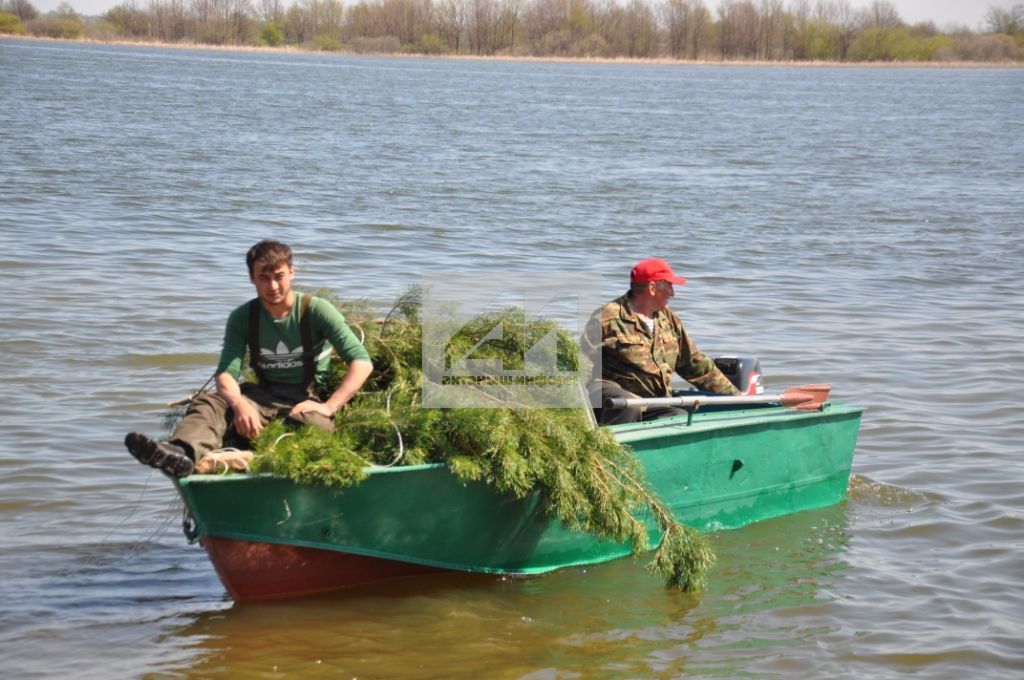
(362, 335)
(229, 449)
(401, 447)
(217, 462)
(401, 443)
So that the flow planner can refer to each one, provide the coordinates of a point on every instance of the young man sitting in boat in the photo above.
(638, 342)
(290, 337)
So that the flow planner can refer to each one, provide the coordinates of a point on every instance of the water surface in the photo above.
(853, 226)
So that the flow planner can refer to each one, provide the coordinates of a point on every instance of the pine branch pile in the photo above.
(593, 484)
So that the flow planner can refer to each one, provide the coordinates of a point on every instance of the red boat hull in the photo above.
(252, 570)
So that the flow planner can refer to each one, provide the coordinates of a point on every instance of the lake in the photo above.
(857, 226)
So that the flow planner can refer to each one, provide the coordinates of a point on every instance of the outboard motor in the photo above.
(743, 372)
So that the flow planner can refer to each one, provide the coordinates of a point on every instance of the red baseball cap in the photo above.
(654, 269)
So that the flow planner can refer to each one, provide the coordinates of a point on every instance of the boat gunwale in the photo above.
(625, 434)
(727, 420)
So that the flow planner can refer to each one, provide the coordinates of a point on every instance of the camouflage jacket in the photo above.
(641, 363)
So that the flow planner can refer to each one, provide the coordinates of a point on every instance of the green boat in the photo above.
(718, 468)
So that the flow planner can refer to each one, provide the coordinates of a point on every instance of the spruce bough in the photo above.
(590, 481)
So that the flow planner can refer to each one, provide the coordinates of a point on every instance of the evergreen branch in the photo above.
(591, 482)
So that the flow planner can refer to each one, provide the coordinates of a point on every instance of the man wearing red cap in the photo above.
(641, 343)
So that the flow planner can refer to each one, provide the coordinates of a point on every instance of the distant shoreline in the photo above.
(1000, 65)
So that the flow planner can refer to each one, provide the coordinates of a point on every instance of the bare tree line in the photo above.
(760, 30)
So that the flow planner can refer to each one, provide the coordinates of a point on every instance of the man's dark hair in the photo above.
(269, 254)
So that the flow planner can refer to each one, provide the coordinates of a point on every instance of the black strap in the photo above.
(254, 339)
(308, 360)
(305, 332)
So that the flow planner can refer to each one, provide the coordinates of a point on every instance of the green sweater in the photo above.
(281, 341)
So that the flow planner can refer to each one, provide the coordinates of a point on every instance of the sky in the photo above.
(943, 13)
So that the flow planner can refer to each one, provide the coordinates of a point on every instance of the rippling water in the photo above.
(853, 226)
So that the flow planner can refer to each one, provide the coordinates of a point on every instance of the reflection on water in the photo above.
(612, 619)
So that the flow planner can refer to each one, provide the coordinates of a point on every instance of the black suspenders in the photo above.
(254, 339)
(305, 331)
(308, 360)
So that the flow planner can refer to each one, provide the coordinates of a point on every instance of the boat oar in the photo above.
(803, 398)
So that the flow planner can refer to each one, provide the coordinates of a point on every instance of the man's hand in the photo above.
(358, 371)
(247, 419)
(310, 406)
(248, 422)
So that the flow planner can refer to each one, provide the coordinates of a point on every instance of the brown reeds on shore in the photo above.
(657, 61)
